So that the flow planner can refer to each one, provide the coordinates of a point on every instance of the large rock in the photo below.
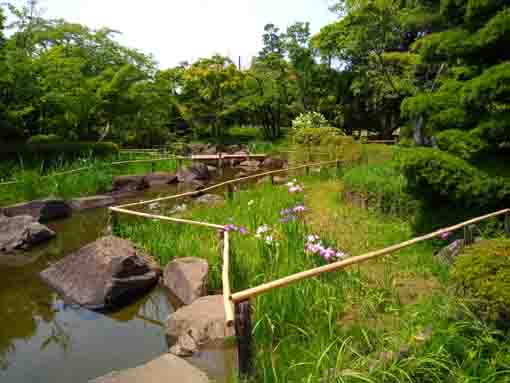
(187, 278)
(160, 178)
(198, 148)
(93, 202)
(43, 210)
(198, 324)
(129, 183)
(105, 274)
(196, 172)
(250, 165)
(165, 369)
(21, 233)
(274, 163)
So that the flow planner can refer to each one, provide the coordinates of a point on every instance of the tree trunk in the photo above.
(419, 138)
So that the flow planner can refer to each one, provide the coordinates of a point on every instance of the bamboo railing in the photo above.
(266, 287)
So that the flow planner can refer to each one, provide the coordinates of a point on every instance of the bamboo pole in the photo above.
(254, 291)
(222, 184)
(229, 307)
(164, 218)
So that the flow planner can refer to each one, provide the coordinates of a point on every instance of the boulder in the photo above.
(103, 275)
(93, 202)
(43, 210)
(187, 278)
(210, 150)
(274, 163)
(209, 199)
(197, 148)
(198, 324)
(167, 368)
(250, 164)
(129, 183)
(449, 254)
(280, 180)
(160, 178)
(196, 172)
(21, 233)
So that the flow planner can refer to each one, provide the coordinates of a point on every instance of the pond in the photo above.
(44, 340)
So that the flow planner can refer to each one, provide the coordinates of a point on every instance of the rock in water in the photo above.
(43, 210)
(129, 183)
(210, 199)
(103, 275)
(196, 172)
(200, 323)
(165, 369)
(187, 278)
(274, 163)
(93, 202)
(250, 165)
(21, 233)
(160, 178)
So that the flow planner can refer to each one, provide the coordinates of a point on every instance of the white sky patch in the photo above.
(185, 30)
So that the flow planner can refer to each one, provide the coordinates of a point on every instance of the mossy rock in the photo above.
(482, 272)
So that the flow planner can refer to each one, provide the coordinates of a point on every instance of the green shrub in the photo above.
(466, 145)
(315, 136)
(483, 273)
(44, 139)
(439, 176)
(382, 186)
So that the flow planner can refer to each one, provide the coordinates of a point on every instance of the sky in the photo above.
(185, 30)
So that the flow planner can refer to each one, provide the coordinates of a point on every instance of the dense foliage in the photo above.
(483, 272)
(428, 67)
(442, 177)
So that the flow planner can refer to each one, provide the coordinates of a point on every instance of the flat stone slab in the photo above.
(21, 233)
(165, 369)
(209, 199)
(43, 210)
(186, 278)
(129, 183)
(93, 202)
(106, 274)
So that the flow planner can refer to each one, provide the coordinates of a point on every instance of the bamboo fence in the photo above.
(266, 287)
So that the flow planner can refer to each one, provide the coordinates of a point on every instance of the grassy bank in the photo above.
(391, 320)
(96, 179)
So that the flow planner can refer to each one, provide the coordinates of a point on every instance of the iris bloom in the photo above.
(230, 227)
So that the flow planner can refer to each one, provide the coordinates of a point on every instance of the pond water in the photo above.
(44, 340)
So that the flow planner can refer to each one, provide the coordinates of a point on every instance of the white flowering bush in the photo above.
(309, 120)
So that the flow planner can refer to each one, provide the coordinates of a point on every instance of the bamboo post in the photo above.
(507, 223)
(220, 161)
(153, 166)
(179, 164)
(243, 330)
(272, 179)
(229, 307)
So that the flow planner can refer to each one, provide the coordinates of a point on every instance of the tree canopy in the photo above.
(438, 70)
